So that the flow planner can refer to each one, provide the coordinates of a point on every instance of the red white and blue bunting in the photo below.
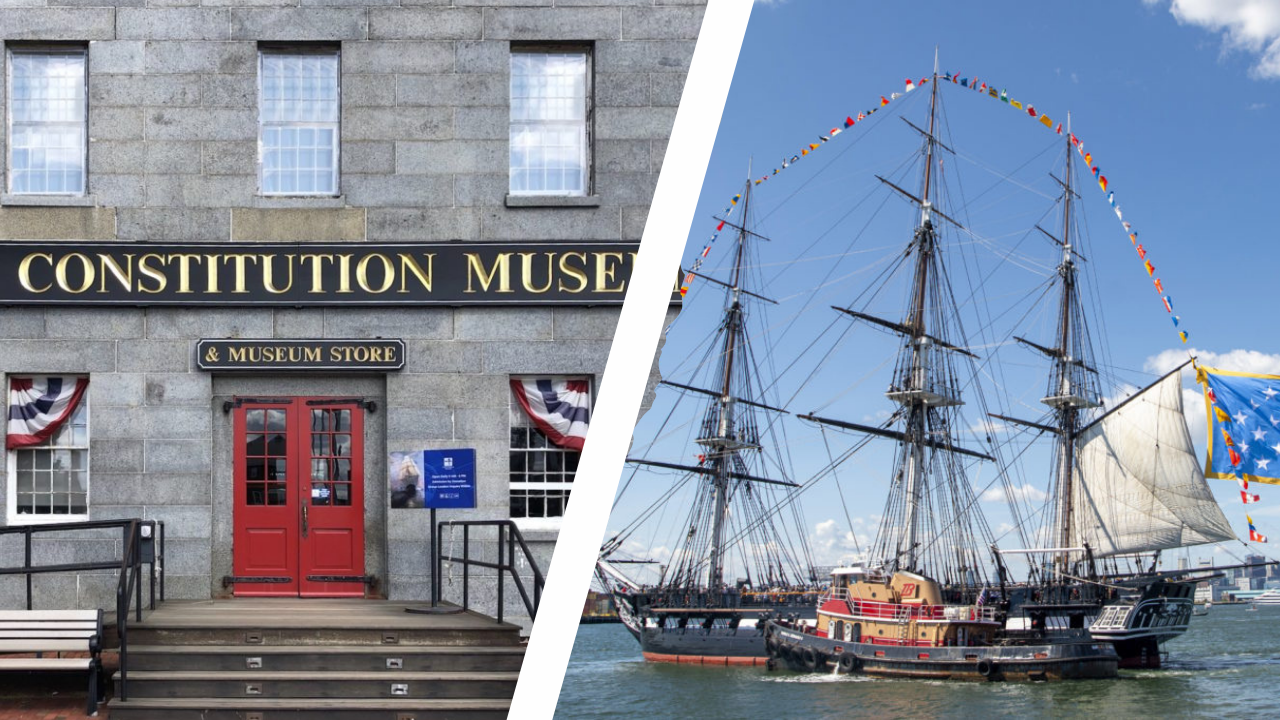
(38, 406)
(559, 407)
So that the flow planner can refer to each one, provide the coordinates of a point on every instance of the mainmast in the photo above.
(913, 395)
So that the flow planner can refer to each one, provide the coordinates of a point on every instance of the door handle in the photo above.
(304, 517)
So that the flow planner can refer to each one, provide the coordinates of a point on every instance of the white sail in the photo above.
(1138, 485)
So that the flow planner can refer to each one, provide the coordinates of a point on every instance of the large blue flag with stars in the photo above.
(1244, 425)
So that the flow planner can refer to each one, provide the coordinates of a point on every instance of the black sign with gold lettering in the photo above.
(315, 274)
(270, 354)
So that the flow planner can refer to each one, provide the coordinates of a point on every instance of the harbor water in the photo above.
(1226, 665)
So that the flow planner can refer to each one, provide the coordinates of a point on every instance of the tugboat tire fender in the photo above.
(847, 663)
(810, 658)
(986, 668)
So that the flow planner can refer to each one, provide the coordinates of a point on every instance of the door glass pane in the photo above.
(276, 420)
(342, 420)
(255, 420)
(342, 445)
(342, 494)
(277, 494)
(276, 446)
(254, 446)
(320, 444)
(276, 469)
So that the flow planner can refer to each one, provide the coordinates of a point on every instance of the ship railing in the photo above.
(981, 613)
(833, 594)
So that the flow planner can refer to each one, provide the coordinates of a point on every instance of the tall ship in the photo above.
(1070, 588)
(734, 561)
(922, 605)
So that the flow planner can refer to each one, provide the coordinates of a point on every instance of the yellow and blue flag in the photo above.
(1246, 408)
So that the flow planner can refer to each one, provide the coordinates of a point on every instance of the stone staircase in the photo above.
(262, 659)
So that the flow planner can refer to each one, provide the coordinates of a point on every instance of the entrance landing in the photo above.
(309, 613)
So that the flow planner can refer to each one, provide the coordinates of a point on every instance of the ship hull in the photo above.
(1009, 663)
(1139, 626)
(700, 635)
(695, 646)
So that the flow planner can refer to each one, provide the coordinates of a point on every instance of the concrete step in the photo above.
(316, 709)
(352, 658)
(160, 634)
(313, 685)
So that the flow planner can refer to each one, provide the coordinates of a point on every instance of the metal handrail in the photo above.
(128, 584)
(509, 538)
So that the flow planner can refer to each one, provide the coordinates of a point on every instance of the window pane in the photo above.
(298, 124)
(539, 471)
(548, 134)
(47, 114)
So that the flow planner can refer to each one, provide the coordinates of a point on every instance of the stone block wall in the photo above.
(424, 124)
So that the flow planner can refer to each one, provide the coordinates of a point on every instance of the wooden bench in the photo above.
(48, 634)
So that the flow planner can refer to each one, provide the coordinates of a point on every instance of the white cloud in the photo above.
(832, 544)
(1026, 492)
(1250, 26)
(1240, 360)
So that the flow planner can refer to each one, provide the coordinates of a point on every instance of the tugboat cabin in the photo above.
(900, 609)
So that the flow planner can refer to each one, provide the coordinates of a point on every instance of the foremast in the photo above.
(727, 436)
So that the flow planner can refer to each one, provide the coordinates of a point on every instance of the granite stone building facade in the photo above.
(216, 129)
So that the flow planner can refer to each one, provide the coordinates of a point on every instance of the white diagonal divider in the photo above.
(639, 326)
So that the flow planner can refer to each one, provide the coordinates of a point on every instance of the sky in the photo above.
(1175, 102)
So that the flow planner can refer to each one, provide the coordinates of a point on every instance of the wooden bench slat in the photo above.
(89, 615)
(48, 625)
(12, 634)
(43, 645)
(45, 663)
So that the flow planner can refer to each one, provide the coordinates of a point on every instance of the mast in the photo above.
(913, 395)
(725, 441)
(1069, 386)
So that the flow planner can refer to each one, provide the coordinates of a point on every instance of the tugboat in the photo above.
(923, 611)
(905, 625)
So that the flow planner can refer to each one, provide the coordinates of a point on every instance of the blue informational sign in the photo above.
(449, 478)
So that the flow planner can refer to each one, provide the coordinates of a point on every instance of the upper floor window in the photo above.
(298, 122)
(550, 110)
(48, 441)
(48, 121)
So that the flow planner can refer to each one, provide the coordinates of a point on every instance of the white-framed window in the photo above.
(49, 482)
(550, 121)
(541, 473)
(48, 120)
(298, 117)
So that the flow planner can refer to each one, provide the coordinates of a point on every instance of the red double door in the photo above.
(299, 498)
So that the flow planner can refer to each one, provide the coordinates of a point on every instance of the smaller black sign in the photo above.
(267, 354)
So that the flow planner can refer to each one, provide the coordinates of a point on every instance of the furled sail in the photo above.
(1138, 485)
